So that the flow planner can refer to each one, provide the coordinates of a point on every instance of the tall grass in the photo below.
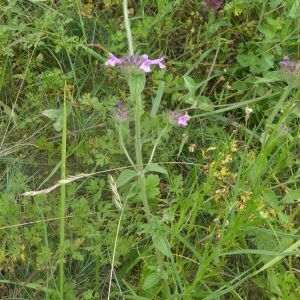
(62, 210)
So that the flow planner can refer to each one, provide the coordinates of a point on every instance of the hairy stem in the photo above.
(139, 158)
(142, 181)
(127, 26)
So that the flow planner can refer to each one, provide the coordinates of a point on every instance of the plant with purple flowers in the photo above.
(213, 4)
(134, 64)
(289, 66)
(179, 119)
(136, 67)
(121, 112)
(291, 71)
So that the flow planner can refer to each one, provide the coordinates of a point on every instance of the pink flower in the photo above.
(289, 66)
(213, 4)
(113, 60)
(135, 63)
(145, 65)
(176, 118)
(182, 120)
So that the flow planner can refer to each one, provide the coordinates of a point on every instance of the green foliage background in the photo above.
(229, 204)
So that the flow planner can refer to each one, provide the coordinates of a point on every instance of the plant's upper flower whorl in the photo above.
(291, 71)
(135, 63)
(177, 118)
(182, 120)
(213, 4)
(289, 66)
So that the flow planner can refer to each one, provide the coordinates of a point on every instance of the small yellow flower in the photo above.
(192, 148)
(234, 146)
(227, 159)
(211, 149)
(224, 171)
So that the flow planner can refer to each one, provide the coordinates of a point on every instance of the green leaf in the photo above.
(136, 84)
(205, 103)
(157, 99)
(152, 183)
(246, 60)
(58, 124)
(189, 83)
(156, 168)
(270, 77)
(77, 255)
(271, 198)
(98, 106)
(125, 177)
(291, 196)
(162, 245)
(56, 115)
(192, 87)
(52, 114)
(294, 12)
(151, 280)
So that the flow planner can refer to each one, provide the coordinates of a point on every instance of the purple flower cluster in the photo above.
(213, 4)
(289, 66)
(181, 120)
(136, 63)
(122, 112)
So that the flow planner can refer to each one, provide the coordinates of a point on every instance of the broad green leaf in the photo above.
(151, 280)
(246, 60)
(56, 115)
(136, 84)
(52, 114)
(156, 168)
(271, 198)
(189, 83)
(291, 196)
(152, 182)
(270, 77)
(204, 103)
(162, 245)
(125, 177)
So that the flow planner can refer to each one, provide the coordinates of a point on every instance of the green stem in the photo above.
(127, 26)
(142, 180)
(63, 196)
(139, 158)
